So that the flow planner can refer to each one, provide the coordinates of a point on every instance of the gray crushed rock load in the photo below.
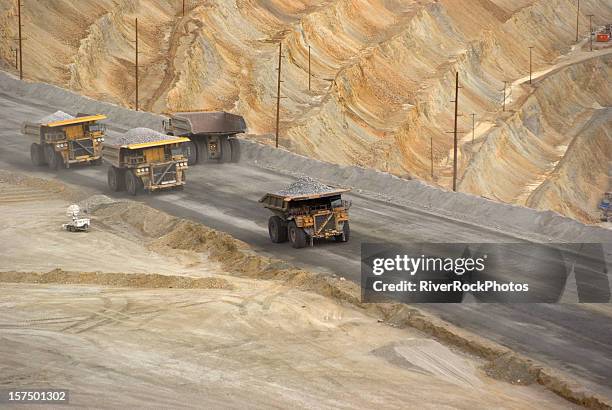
(56, 116)
(138, 136)
(305, 186)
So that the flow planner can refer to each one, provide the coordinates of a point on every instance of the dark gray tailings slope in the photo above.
(575, 338)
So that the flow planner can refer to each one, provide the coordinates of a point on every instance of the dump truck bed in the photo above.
(207, 123)
(279, 201)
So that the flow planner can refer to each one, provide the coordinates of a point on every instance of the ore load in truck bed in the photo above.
(138, 136)
(304, 188)
(56, 116)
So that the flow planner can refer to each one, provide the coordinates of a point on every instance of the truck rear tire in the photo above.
(133, 184)
(226, 149)
(37, 155)
(297, 236)
(277, 229)
(235, 144)
(190, 151)
(115, 179)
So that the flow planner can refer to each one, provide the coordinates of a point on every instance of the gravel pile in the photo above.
(56, 116)
(139, 136)
(305, 186)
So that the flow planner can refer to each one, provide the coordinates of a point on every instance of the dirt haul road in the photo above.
(217, 340)
(573, 338)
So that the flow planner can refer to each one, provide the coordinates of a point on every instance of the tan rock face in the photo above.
(381, 86)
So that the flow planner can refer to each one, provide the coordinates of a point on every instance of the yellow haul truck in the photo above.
(144, 159)
(307, 210)
(63, 140)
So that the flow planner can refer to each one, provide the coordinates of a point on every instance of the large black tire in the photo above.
(235, 144)
(277, 229)
(56, 161)
(226, 149)
(347, 233)
(115, 179)
(37, 155)
(49, 154)
(297, 236)
(190, 150)
(133, 184)
(202, 150)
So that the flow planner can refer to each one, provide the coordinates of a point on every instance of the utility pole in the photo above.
(183, 8)
(590, 16)
(504, 101)
(20, 40)
(278, 90)
(136, 66)
(577, 20)
(431, 156)
(455, 131)
(14, 50)
(530, 66)
(473, 126)
(309, 76)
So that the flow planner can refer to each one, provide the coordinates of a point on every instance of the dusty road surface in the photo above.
(239, 342)
(260, 346)
(224, 196)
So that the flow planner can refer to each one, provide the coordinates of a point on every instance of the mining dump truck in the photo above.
(145, 160)
(211, 135)
(306, 210)
(63, 140)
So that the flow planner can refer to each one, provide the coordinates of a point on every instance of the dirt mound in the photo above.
(51, 186)
(128, 280)
(511, 369)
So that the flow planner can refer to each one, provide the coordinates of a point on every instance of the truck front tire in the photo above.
(346, 229)
(115, 179)
(277, 229)
(297, 236)
(52, 158)
(133, 184)
(37, 155)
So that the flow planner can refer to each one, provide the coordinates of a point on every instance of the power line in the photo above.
(455, 132)
(136, 65)
(278, 90)
(504, 100)
(577, 19)
(530, 66)
(473, 126)
(590, 16)
(309, 75)
(431, 156)
(20, 40)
